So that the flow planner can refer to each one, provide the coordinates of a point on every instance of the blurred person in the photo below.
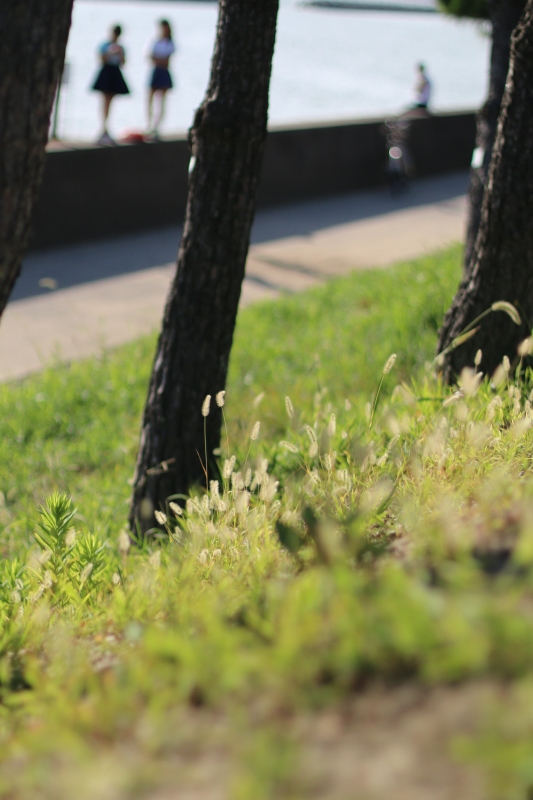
(110, 81)
(159, 54)
(422, 88)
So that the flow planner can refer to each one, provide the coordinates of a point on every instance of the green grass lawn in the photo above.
(363, 570)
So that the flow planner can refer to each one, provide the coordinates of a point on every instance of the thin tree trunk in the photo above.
(503, 261)
(34, 36)
(504, 16)
(192, 355)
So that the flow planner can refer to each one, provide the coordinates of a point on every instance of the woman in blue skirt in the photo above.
(109, 80)
(160, 80)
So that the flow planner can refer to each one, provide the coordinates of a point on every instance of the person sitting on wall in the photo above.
(422, 88)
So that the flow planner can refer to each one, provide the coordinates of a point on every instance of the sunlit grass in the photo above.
(371, 528)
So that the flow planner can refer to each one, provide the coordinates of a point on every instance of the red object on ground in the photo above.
(132, 137)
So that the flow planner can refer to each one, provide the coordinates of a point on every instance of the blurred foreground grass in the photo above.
(349, 614)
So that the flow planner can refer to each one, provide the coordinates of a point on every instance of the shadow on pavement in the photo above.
(70, 266)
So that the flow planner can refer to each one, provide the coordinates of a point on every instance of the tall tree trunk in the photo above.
(33, 40)
(191, 361)
(503, 261)
(504, 16)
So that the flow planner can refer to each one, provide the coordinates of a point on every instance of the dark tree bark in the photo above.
(227, 140)
(504, 16)
(33, 37)
(503, 255)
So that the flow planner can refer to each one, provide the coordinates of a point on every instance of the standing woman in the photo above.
(109, 80)
(160, 80)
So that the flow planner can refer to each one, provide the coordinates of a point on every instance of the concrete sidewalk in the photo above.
(64, 307)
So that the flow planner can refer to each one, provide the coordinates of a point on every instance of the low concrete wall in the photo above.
(94, 192)
(89, 193)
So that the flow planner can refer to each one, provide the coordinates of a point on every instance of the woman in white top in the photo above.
(160, 79)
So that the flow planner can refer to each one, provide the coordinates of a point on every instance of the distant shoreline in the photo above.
(172, 1)
(355, 5)
(351, 5)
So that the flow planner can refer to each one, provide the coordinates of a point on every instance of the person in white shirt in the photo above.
(422, 87)
(160, 53)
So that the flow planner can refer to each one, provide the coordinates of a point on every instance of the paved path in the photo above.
(73, 302)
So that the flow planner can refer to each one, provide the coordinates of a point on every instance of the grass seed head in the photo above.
(242, 502)
(469, 381)
(289, 407)
(70, 538)
(262, 466)
(255, 431)
(206, 405)
(312, 435)
(229, 465)
(524, 348)
(160, 517)
(176, 509)
(219, 398)
(519, 428)
(499, 375)
(258, 399)
(509, 309)
(288, 446)
(123, 542)
(47, 580)
(454, 398)
(389, 364)
(269, 489)
(86, 571)
(237, 481)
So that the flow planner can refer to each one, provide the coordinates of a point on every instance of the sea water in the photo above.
(328, 64)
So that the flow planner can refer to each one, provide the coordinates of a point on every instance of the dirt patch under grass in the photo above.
(401, 743)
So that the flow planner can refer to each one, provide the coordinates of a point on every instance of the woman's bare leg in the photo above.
(150, 107)
(105, 110)
(161, 96)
